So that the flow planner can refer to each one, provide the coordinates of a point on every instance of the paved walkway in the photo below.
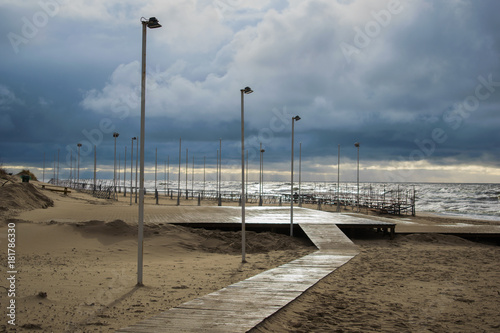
(82, 211)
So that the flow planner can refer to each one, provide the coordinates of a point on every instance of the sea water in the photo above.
(478, 201)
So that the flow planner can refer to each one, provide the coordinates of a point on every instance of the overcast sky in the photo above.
(416, 82)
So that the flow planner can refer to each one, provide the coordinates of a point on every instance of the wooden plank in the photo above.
(329, 237)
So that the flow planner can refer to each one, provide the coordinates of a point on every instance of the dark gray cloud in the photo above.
(416, 82)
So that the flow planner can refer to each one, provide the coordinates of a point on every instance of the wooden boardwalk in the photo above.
(241, 306)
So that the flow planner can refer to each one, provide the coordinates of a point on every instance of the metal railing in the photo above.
(390, 199)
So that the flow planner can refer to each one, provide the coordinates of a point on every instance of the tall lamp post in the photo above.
(70, 169)
(152, 23)
(300, 173)
(156, 174)
(125, 174)
(220, 171)
(136, 165)
(338, 179)
(118, 172)
(246, 175)
(43, 177)
(357, 146)
(167, 175)
(261, 180)
(187, 171)
(246, 90)
(179, 176)
(79, 145)
(115, 135)
(95, 166)
(132, 169)
(294, 119)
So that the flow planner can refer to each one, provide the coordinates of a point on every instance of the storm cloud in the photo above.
(416, 82)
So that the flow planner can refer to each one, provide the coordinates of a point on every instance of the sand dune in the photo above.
(22, 196)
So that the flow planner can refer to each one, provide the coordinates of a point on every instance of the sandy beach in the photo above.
(415, 283)
(80, 275)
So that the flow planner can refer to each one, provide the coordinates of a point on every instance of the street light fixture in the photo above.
(78, 181)
(115, 135)
(246, 90)
(152, 23)
(294, 119)
(357, 146)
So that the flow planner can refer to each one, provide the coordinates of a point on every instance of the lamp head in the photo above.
(262, 150)
(115, 135)
(247, 90)
(296, 118)
(356, 144)
(153, 23)
(134, 138)
(79, 144)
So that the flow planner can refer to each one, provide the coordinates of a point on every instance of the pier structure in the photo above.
(396, 199)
